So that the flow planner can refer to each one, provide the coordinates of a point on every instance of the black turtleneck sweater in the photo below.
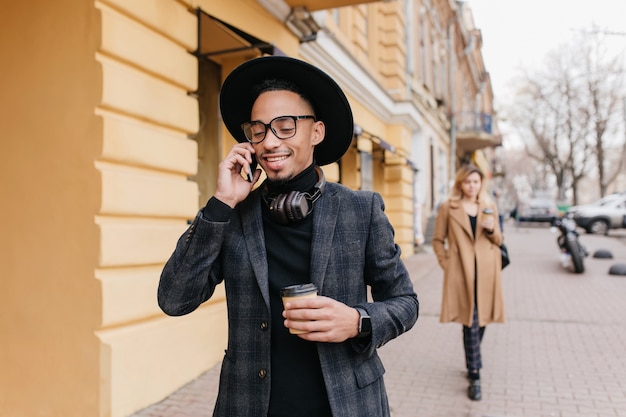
(297, 384)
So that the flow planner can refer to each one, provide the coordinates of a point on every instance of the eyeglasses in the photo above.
(283, 127)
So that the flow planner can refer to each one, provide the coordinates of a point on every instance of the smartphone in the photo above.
(251, 169)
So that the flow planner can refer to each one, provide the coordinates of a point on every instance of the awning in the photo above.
(218, 38)
(383, 144)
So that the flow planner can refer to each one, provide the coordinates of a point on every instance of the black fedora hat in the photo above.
(329, 102)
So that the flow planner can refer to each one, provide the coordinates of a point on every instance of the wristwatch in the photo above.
(365, 322)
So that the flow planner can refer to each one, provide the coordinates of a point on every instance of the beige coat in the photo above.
(456, 249)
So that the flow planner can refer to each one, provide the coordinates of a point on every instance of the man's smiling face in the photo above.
(283, 159)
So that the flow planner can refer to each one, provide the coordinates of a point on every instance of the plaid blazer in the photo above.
(352, 248)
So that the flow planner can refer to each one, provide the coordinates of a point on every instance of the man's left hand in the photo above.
(322, 318)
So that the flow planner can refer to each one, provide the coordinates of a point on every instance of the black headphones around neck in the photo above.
(294, 206)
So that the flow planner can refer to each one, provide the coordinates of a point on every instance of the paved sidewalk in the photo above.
(560, 354)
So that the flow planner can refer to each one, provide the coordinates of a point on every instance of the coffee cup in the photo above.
(488, 214)
(298, 291)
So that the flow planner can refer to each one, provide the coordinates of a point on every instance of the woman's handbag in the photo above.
(505, 256)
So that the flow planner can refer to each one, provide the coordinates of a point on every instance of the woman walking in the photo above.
(467, 241)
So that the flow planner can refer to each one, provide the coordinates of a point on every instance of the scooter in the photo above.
(573, 252)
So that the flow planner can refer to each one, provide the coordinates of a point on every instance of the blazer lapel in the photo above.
(458, 215)
(252, 226)
(325, 214)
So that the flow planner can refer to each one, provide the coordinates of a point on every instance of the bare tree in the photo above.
(546, 113)
(568, 115)
(604, 92)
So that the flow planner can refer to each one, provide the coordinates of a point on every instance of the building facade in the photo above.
(111, 138)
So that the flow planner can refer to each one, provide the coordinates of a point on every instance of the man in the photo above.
(293, 229)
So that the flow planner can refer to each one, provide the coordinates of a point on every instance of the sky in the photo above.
(520, 33)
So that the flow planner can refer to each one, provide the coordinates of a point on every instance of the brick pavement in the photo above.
(560, 354)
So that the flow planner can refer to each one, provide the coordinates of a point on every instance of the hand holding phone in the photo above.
(251, 169)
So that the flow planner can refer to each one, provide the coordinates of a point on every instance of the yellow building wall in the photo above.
(145, 161)
(50, 302)
(393, 180)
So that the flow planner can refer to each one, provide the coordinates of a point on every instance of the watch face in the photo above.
(366, 325)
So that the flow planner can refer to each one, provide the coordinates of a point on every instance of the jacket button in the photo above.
(262, 373)
(264, 325)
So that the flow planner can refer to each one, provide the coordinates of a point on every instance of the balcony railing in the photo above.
(474, 122)
(475, 130)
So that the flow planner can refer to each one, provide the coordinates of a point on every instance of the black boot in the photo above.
(473, 392)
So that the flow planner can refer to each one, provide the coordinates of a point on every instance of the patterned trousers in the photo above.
(472, 336)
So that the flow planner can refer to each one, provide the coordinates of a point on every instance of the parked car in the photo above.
(603, 215)
(542, 210)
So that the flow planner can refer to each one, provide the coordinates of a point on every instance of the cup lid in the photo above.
(298, 289)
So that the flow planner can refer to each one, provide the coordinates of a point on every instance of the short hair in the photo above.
(276, 84)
